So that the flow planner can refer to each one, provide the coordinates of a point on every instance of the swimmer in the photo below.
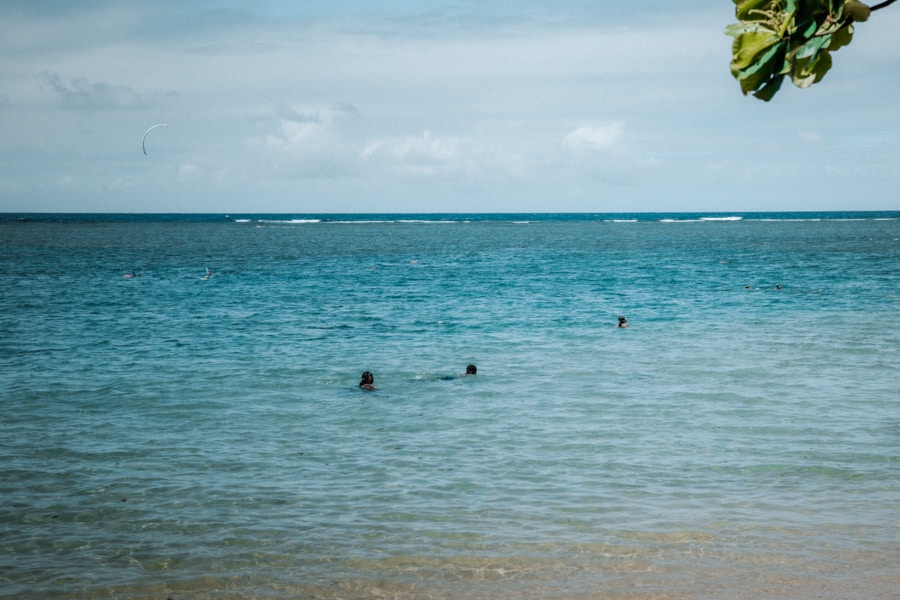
(470, 370)
(778, 286)
(367, 381)
(623, 322)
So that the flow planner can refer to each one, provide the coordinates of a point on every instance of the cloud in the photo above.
(188, 170)
(307, 142)
(287, 113)
(423, 155)
(598, 138)
(810, 137)
(85, 94)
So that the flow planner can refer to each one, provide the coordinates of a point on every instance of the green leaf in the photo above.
(814, 72)
(767, 66)
(814, 9)
(835, 6)
(766, 92)
(736, 29)
(841, 38)
(811, 48)
(751, 10)
(822, 67)
(750, 47)
(808, 29)
(805, 60)
(857, 11)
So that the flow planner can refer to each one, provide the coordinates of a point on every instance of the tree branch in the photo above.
(882, 5)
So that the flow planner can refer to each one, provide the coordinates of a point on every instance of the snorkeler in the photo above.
(367, 381)
(623, 322)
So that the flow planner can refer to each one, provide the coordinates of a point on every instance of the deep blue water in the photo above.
(175, 435)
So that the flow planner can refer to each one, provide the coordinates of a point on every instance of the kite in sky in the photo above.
(146, 133)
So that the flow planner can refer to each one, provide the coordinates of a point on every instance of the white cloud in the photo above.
(82, 93)
(810, 137)
(306, 142)
(188, 170)
(291, 114)
(422, 155)
(601, 138)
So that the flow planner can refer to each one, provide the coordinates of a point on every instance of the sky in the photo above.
(428, 106)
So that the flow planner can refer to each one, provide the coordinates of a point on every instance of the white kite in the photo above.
(146, 133)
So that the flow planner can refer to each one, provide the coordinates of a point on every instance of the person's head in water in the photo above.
(471, 369)
(623, 322)
(367, 381)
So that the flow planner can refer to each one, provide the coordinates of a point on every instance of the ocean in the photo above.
(181, 417)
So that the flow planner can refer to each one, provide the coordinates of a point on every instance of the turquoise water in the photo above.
(177, 436)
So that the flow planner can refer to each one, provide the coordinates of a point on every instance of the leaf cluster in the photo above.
(779, 38)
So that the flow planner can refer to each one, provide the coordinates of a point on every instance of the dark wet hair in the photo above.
(367, 377)
(471, 369)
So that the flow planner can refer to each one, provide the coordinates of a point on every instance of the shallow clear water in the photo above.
(170, 435)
